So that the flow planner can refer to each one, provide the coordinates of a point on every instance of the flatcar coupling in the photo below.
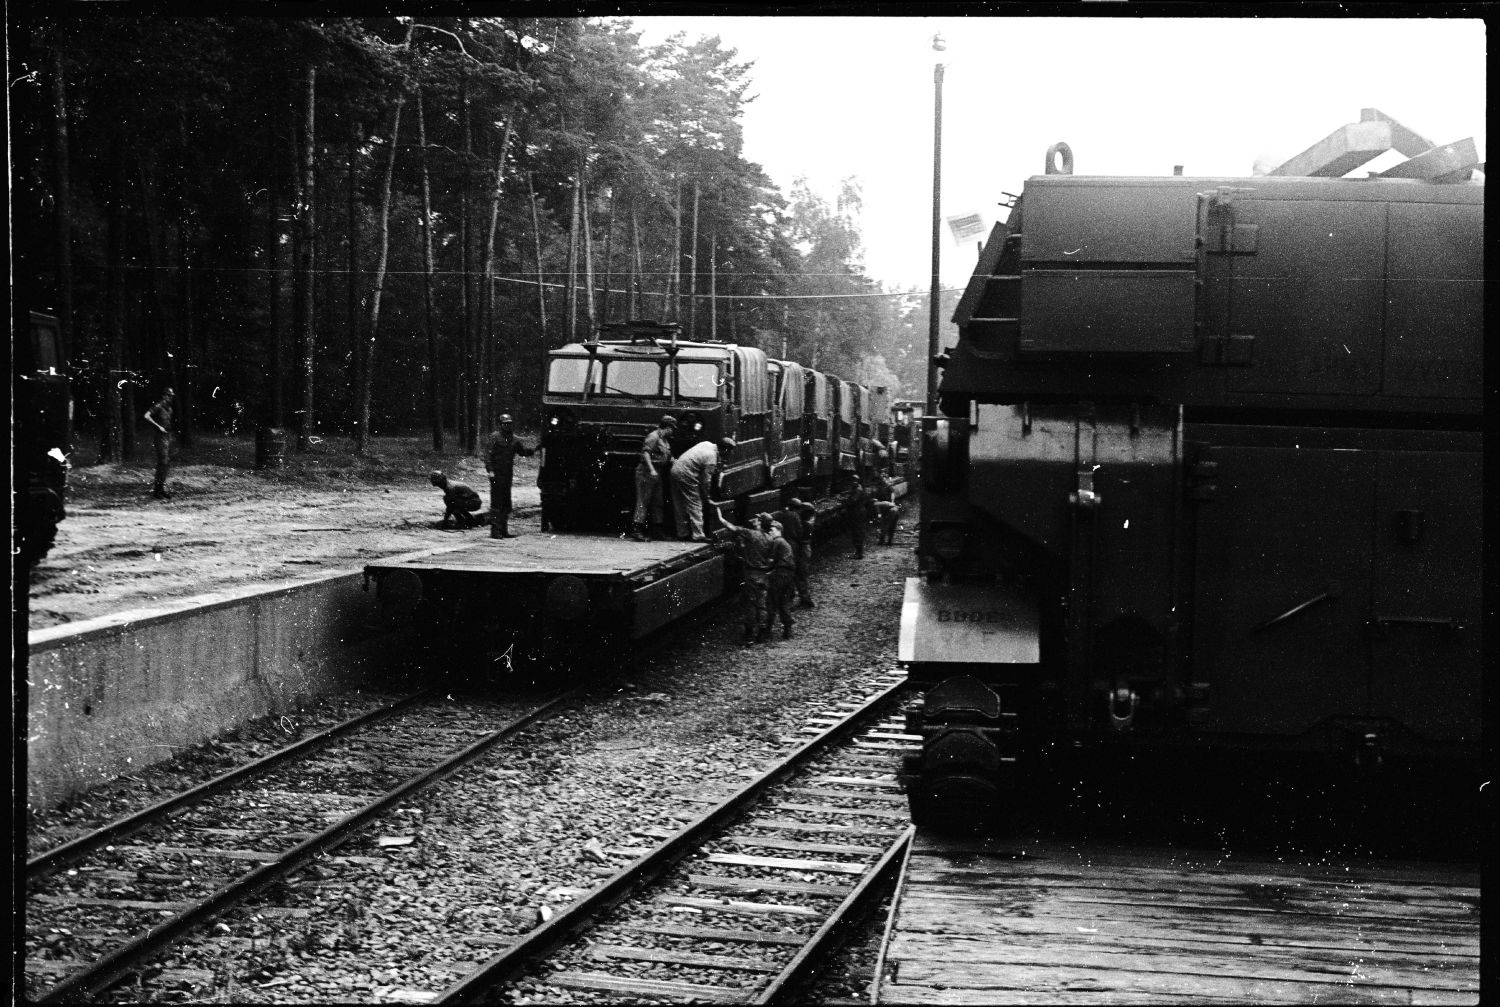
(1123, 703)
(1369, 752)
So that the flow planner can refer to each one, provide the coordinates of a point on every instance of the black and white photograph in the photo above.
(660, 504)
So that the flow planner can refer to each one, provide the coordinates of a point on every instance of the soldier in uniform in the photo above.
(501, 465)
(783, 582)
(859, 516)
(798, 535)
(755, 557)
(809, 521)
(160, 417)
(886, 513)
(650, 480)
(460, 502)
(692, 475)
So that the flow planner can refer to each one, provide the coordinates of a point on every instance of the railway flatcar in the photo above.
(796, 430)
(1206, 477)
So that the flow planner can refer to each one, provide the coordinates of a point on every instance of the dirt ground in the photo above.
(229, 525)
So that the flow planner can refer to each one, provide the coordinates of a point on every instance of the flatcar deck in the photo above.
(1053, 922)
(583, 584)
(579, 555)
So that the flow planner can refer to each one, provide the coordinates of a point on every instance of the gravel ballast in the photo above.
(526, 829)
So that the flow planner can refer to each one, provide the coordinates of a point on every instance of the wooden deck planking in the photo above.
(1241, 960)
(1172, 924)
(1052, 987)
(1045, 922)
(582, 555)
(1190, 894)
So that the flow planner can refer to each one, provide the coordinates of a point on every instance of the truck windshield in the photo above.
(572, 376)
(634, 379)
(697, 380)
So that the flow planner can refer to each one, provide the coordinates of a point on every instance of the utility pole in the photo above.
(933, 341)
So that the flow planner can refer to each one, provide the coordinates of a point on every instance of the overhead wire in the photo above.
(529, 281)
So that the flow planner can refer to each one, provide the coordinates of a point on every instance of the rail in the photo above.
(591, 909)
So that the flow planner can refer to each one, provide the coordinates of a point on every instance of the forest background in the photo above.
(365, 225)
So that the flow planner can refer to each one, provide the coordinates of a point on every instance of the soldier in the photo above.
(799, 536)
(460, 502)
(692, 475)
(809, 521)
(783, 581)
(650, 478)
(160, 417)
(886, 513)
(755, 556)
(859, 515)
(501, 465)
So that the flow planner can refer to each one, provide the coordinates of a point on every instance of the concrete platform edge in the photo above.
(113, 695)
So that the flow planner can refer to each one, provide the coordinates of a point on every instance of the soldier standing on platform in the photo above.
(160, 417)
(650, 480)
(501, 465)
(692, 475)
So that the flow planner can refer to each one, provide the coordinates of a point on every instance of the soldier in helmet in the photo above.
(460, 502)
(782, 585)
(500, 462)
(754, 542)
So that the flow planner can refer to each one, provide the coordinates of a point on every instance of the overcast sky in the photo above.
(841, 96)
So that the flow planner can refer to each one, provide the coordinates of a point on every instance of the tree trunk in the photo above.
(468, 436)
(273, 279)
(635, 258)
(63, 196)
(713, 286)
(304, 277)
(541, 287)
(434, 376)
(111, 432)
(351, 296)
(588, 249)
(609, 256)
(674, 281)
(377, 288)
(572, 325)
(693, 276)
(486, 345)
(186, 347)
(163, 357)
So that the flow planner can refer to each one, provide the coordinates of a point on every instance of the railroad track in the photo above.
(770, 873)
(98, 907)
